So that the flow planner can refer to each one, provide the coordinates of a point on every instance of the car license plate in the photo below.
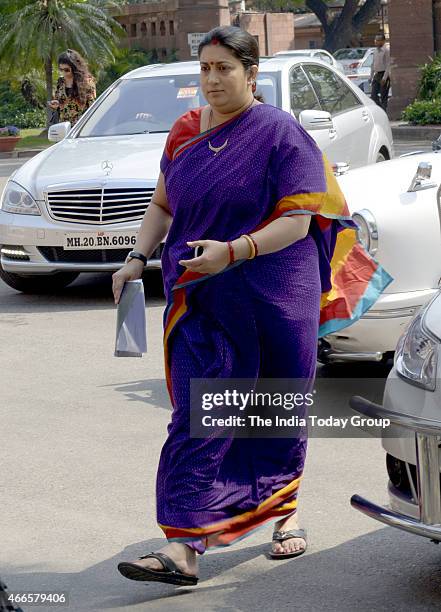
(99, 240)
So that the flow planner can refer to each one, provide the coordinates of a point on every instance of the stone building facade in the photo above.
(152, 26)
(198, 17)
(171, 28)
(415, 36)
(273, 31)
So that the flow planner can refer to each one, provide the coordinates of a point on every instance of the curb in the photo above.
(416, 132)
(20, 153)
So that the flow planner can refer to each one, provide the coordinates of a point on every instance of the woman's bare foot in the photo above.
(184, 557)
(291, 545)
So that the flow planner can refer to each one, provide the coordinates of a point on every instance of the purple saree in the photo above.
(257, 318)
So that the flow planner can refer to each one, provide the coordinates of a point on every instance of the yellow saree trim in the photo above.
(245, 517)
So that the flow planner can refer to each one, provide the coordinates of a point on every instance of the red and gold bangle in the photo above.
(255, 245)
(250, 241)
(231, 251)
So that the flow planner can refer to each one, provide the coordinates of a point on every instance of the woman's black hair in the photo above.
(80, 72)
(242, 45)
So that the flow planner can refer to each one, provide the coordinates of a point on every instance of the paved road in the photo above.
(81, 436)
(406, 147)
(8, 166)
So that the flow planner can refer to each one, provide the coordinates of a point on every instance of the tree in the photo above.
(125, 60)
(34, 32)
(339, 27)
(342, 27)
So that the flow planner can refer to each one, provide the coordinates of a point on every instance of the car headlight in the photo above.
(367, 230)
(17, 200)
(416, 356)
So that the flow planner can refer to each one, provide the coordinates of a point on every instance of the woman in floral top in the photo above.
(75, 91)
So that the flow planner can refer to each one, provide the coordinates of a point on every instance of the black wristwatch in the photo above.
(136, 255)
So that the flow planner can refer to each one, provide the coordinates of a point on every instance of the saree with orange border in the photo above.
(258, 318)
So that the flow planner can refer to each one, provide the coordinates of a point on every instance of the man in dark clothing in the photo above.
(380, 72)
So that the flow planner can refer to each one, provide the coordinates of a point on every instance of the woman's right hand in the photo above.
(54, 104)
(131, 271)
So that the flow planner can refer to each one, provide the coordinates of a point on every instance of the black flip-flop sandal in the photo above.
(280, 536)
(171, 574)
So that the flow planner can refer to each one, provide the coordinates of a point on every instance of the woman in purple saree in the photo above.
(255, 180)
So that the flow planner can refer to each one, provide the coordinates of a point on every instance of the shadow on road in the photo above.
(151, 391)
(334, 393)
(87, 292)
(370, 572)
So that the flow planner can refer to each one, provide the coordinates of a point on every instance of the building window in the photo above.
(143, 29)
(171, 27)
(312, 44)
(133, 30)
(163, 53)
(162, 28)
(153, 28)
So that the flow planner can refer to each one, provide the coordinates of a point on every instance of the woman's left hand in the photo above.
(215, 257)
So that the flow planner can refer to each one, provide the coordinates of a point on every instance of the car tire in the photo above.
(38, 283)
(380, 157)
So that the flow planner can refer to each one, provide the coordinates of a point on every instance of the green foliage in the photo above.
(423, 112)
(31, 32)
(125, 61)
(14, 110)
(33, 139)
(34, 32)
(430, 86)
(426, 109)
(35, 118)
(277, 6)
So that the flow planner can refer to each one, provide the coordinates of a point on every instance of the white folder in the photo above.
(131, 336)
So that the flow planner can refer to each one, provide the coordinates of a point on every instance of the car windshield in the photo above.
(367, 63)
(152, 104)
(350, 54)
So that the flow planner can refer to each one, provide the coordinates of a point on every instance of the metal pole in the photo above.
(428, 478)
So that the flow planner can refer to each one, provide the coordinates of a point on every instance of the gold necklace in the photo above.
(217, 150)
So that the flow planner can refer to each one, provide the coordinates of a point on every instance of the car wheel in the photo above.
(38, 283)
(381, 157)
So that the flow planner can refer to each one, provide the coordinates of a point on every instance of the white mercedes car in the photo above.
(411, 403)
(77, 206)
(398, 209)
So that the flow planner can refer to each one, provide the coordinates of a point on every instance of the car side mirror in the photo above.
(58, 131)
(316, 120)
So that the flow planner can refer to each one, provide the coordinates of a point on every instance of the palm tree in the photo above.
(34, 32)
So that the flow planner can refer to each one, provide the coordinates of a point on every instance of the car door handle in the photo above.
(332, 133)
(365, 115)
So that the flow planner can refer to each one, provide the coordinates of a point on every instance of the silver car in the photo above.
(318, 54)
(77, 206)
(354, 58)
(411, 402)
